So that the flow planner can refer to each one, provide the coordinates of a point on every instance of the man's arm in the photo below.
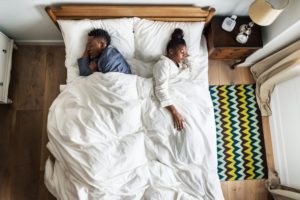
(84, 69)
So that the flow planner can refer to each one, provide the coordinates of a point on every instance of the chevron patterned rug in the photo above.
(240, 144)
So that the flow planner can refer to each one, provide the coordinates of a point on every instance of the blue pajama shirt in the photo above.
(110, 60)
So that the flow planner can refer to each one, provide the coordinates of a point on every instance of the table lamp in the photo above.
(263, 13)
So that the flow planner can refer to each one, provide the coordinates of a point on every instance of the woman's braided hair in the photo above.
(176, 39)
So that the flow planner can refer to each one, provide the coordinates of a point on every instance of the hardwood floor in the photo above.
(37, 73)
(221, 74)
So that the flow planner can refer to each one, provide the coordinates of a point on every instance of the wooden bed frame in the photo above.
(153, 12)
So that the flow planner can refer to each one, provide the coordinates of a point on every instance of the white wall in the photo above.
(289, 17)
(27, 20)
(282, 32)
(223, 7)
(285, 131)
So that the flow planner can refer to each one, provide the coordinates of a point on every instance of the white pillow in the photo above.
(140, 68)
(151, 37)
(75, 34)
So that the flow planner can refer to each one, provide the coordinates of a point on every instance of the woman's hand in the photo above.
(178, 121)
(177, 118)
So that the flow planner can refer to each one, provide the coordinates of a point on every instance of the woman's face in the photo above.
(178, 54)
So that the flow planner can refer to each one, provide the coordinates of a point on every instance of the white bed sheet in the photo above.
(111, 139)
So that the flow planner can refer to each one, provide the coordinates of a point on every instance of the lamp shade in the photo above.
(264, 12)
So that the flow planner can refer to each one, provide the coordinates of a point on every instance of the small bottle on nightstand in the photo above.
(245, 31)
(229, 23)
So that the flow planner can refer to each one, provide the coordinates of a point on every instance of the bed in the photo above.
(108, 134)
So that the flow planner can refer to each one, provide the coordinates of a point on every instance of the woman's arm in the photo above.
(161, 77)
(177, 118)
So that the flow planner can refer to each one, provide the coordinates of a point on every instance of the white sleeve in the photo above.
(161, 77)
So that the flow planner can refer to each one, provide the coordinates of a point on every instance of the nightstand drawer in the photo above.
(230, 53)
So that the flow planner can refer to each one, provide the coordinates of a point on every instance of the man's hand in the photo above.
(93, 65)
(86, 51)
(177, 118)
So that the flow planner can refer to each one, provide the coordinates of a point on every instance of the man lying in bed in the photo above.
(100, 56)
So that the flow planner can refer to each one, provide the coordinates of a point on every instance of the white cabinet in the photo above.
(6, 49)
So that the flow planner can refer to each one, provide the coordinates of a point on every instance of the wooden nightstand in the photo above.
(223, 46)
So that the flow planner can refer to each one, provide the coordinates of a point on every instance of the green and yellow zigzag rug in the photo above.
(240, 145)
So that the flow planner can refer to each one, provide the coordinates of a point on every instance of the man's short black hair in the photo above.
(100, 33)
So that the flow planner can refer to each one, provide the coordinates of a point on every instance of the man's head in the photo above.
(98, 40)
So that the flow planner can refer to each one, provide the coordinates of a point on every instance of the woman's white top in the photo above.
(164, 70)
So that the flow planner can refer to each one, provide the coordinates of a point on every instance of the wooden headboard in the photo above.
(161, 13)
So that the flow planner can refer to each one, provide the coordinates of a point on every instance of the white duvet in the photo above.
(113, 141)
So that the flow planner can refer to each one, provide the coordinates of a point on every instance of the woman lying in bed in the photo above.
(100, 56)
(168, 67)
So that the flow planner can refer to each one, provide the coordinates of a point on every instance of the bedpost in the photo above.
(211, 12)
(53, 17)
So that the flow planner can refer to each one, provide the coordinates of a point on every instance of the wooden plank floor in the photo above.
(37, 73)
(221, 74)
